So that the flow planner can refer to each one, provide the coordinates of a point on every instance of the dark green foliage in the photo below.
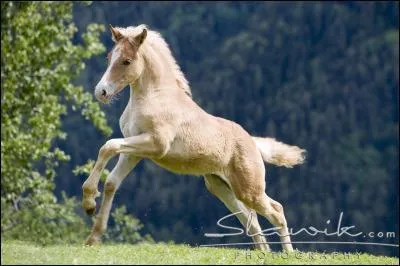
(49, 223)
(125, 229)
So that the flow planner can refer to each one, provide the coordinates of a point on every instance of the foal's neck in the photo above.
(157, 76)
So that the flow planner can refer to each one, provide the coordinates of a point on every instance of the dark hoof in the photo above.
(91, 212)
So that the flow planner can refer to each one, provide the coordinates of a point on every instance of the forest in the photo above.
(320, 75)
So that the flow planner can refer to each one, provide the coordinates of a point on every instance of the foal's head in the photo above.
(124, 64)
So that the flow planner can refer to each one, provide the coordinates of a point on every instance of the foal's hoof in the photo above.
(91, 241)
(91, 211)
(90, 206)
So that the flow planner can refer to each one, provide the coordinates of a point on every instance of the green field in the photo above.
(13, 252)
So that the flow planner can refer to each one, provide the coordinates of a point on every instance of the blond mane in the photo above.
(157, 42)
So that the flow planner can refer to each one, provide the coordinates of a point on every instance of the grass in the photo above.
(16, 252)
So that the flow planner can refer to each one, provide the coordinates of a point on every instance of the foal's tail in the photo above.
(279, 153)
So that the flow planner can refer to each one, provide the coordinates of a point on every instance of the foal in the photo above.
(162, 123)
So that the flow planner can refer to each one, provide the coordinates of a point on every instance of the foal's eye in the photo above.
(126, 62)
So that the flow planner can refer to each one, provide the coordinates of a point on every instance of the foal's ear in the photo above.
(116, 34)
(140, 38)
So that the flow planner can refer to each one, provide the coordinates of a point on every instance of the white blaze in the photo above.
(104, 80)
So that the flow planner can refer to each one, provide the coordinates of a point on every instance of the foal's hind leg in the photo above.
(248, 184)
(273, 211)
(221, 190)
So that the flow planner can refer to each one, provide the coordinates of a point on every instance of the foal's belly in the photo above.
(194, 158)
(187, 166)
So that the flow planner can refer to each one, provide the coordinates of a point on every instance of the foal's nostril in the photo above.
(103, 93)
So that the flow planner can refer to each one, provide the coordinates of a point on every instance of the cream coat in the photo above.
(163, 124)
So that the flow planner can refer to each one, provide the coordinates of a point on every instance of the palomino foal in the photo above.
(162, 123)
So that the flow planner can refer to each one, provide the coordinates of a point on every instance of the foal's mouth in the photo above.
(109, 98)
(106, 99)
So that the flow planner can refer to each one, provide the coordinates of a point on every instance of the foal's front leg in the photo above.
(124, 165)
(143, 145)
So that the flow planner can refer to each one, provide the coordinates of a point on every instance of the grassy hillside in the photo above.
(13, 252)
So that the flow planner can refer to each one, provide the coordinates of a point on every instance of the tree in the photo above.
(39, 61)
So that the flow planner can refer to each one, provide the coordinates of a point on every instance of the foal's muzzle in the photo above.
(104, 92)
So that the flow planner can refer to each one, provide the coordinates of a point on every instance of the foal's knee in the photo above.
(247, 198)
(109, 148)
(110, 187)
